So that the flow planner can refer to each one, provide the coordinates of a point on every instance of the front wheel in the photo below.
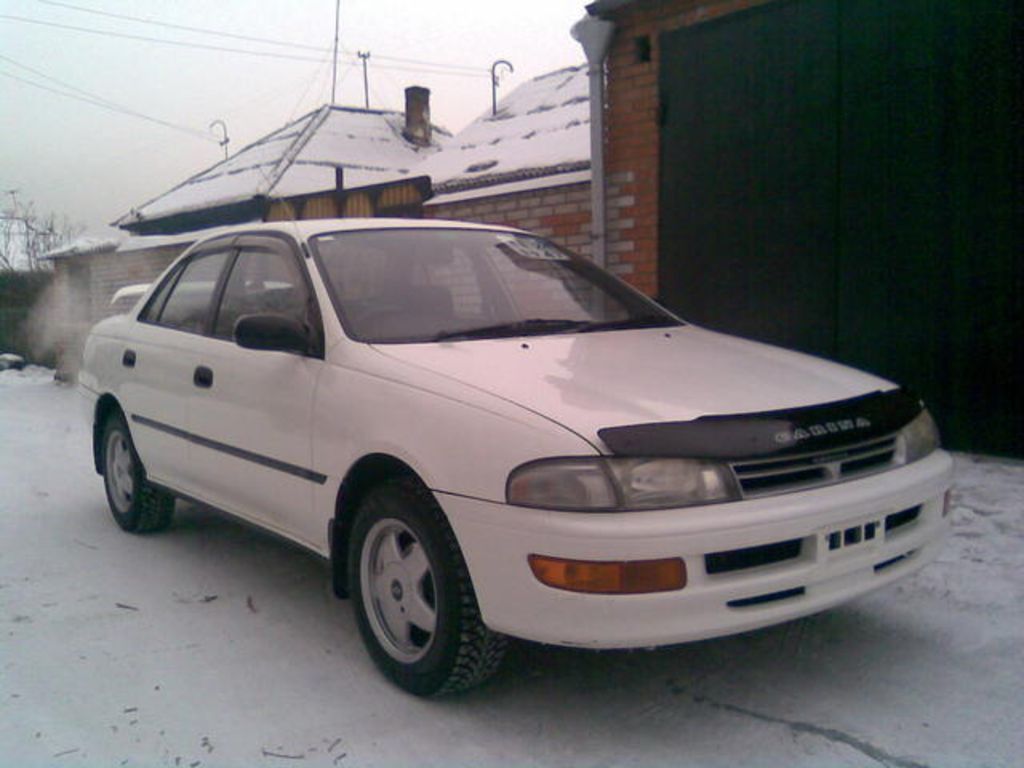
(136, 505)
(413, 598)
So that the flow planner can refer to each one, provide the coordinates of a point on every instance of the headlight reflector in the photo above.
(656, 483)
(916, 440)
(614, 484)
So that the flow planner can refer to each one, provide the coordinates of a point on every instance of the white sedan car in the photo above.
(487, 436)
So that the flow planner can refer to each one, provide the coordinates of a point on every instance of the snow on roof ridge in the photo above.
(391, 113)
(84, 246)
(492, 179)
(297, 158)
(562, 71)
(135, 214)
(539, 128)
(286, 159)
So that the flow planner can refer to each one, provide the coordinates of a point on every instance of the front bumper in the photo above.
(853, 537)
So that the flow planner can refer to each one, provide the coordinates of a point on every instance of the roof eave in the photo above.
(238, 212)
(494, 179)
(603, 8)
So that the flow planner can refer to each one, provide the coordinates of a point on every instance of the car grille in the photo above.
(766, 477)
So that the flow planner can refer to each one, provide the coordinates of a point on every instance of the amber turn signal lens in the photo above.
(630, 577)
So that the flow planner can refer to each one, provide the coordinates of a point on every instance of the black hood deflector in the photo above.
(768, 433)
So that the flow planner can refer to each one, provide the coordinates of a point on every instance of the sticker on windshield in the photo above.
(529, 248)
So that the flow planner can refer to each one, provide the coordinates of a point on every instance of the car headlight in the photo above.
(612, 484)
(916, 440)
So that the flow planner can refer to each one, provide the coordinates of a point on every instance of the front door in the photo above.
(250, 414)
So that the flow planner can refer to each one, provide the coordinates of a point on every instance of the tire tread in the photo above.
(156, 509)
(153, 508)
(479, 650)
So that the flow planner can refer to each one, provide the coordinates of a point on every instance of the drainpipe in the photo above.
(595, 35)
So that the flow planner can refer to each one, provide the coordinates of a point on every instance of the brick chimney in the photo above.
(417, 115)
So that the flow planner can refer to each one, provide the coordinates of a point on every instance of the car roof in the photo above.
(310, 227)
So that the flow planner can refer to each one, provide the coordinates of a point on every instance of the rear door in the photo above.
(251, 414)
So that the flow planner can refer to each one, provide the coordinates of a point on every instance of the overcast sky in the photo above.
(92, 164)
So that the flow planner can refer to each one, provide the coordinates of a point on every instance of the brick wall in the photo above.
(110, 271)
(80, 297)
(561, 214)
(632, 140)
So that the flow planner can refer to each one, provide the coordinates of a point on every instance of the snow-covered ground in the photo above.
(215, 645)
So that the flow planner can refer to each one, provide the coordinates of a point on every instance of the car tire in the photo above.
(136, 505)
(413, 598)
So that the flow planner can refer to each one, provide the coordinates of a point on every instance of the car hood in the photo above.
(590, 381)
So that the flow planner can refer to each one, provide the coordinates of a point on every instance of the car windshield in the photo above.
(420, 285)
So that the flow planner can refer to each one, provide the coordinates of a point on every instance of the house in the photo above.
(334, 161)
(65, 312)
(839, 177)
(527, 165)
(302, 165)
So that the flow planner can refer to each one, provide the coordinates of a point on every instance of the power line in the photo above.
(61, 83)
(183, 27)
(461, 67)
(163, 41)
(98, 101)
(438, 69)
(254, 39)
(309, 84)
(425, 71)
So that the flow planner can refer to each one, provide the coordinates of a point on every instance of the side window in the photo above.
(188, 304)
(156, 302)
(262, 282)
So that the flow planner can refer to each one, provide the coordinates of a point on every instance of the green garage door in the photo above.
(844, 177)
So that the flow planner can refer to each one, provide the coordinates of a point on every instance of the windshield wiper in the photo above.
(645, 321)
(531, 327)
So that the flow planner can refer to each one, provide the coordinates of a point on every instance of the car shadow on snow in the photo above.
(836, 646)
(851, 642)
(271, 576)
(807, 678)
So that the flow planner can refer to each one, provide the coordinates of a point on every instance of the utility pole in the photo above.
(366, 82)
(334, 68)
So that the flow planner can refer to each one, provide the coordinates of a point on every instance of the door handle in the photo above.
(203, 377)
(128, 358)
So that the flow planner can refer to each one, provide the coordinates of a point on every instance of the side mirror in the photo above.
(273, 333)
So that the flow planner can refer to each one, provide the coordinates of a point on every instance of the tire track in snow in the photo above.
(831, 734)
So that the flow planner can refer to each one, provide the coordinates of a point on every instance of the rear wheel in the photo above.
(413, 598)
(136, 505)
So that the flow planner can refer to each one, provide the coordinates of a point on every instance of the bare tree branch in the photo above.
(25, 237)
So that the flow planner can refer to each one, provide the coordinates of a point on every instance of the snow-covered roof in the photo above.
(300, 158)
(541, 128)
(551, 181)
(84, 246)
